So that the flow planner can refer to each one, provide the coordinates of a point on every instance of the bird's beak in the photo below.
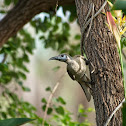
(54, 58)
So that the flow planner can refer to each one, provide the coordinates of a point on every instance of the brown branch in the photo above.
(22, 13)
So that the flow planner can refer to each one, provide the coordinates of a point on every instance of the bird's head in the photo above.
(61, 57)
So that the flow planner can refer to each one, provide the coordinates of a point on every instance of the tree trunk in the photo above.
(101, 49)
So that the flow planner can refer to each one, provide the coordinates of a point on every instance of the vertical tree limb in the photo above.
(101, 49)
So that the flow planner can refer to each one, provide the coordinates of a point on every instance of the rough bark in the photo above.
(101, 49)
(22, 13)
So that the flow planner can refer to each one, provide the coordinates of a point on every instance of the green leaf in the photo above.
(60, 110)
(55, 28)
(22, 75)
(29, 50)
(2, 11)
(26, 89)
(56, 68)
(43, 107)
(7, 2)
(12, 112)
(23, 67)
(15, 121)
(61, 100)
(58, 20)
(48, 89)
(66, 26)
(124, 113)
(123, 41)
(49, 111)
(42, 37)
(90, 110)
(25, 58)
(15, 1)
(4, 115)
(20, 83)
(120, 5)
(81, 109)
(77, 37)
(112, 1)
(72, 18)
(43, 100)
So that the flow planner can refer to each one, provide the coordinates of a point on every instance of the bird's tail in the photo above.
(86, 90)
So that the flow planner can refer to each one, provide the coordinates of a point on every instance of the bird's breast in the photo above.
(73, 67)
(76, 69)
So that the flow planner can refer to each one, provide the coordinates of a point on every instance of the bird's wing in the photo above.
(71, 75)
(86, 78)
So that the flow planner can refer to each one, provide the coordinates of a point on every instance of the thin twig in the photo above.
(90, 22)
(87, 23)
(50, 98)
(56, 6)
(4, 58)
(90, 9)
(96, 14)
(117, 108)
(87, 34)
(81, 45)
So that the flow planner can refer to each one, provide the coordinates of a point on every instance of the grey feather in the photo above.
(78, 69)
(86, 90)
(71, 75)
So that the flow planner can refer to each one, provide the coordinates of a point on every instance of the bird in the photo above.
(78, 70)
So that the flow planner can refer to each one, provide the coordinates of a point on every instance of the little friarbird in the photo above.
(78, 69)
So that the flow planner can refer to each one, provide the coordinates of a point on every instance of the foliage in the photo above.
(124, 113)
(54, 32)
(61, 116)
(57, 32)
(14, 121)
(13, 71)
(119, 5)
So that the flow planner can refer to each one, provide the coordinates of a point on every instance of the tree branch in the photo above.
(4, 58)
(22, 13)
(101, 50)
